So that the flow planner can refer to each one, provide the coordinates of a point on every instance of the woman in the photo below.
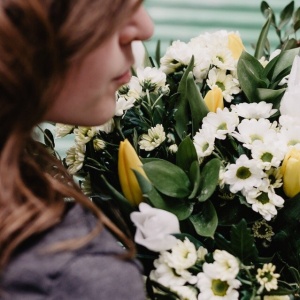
(60, 61)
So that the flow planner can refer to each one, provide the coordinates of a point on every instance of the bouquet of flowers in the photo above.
(203, 168)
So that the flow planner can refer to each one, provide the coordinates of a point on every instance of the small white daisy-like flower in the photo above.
(177, 55)
(165, 275)
(107, 127)
(123, 104)
(221, 122)
(244, 174)
(225, 266)
(182, 256)
(222, 59)
(267, 278)
(62, 130)
(75, 158)
(274, 176)
(226, 82)
(84, 134)
(151, 79)
(290, 136)
(98, 144)
(254, 110)
(270, 154)
(185, 292)
(86, 185)
(264, 200)
(253, 130)
(204, 142)
(153, 139)
(201, 252)
(202, 64)
(212, 288)
(173, 148)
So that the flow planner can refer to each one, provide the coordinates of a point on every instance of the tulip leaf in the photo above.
(270, 96)
(144, 183)
(250, 71)
(121, 200)
(168, 178)
(286, 15)
(209, 179)
(182, 113)
(280, 63)
(260, 45)
(195, 178)
(206, 221)
(186, 154)
(198, 107)
(180, 208)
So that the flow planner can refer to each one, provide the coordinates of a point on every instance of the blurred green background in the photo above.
(183, 19)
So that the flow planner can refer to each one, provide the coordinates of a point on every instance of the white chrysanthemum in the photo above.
(226, 82)
(222, 59)
(123, 104)
(165, 275)
(75, 158)
(201, 252)
(156, 135)
(151, 79)
(220, 123)
(216, 289)
(269, 154)
(204, 142)
(98, 144)
(267, 278)
(244, 174)
(62, 130)
(264, 200)
(185, 292)
(250, 131)
(290, 137)
(86, 186)
(84, 134)
(225, 266)
(177, 55)
(173, 148)
(182, 256)
(202, 64)
(254, 110)
(107, 127)
(288, 122)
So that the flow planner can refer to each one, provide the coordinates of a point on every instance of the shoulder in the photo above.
(34, 274)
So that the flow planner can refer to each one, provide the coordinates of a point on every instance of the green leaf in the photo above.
(197, 105)
(186, 154)
(209, 179)
(270, 96)
(195, 178)
(286, 15)
(280, 65)
(250, 71)
(180, 208)
(243, 243)
(121, 200)
(260, 45)
(182, 113)
(206, 221)
(169, 179)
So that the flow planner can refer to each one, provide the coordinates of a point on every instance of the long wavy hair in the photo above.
(38, 41)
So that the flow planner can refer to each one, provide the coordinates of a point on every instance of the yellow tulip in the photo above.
(214, 99)
(291, 173)
(235, 45)
(129, 161)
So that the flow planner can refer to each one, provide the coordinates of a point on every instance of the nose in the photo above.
(139, 27)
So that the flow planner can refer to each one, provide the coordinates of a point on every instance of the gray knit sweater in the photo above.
(90, 273)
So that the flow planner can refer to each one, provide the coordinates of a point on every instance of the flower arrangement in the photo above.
(201, 164)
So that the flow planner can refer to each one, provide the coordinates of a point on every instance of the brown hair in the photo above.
(38, 40)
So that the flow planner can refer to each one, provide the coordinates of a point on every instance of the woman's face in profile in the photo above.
(88, 94)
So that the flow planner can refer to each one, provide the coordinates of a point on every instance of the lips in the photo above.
(123, 78)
